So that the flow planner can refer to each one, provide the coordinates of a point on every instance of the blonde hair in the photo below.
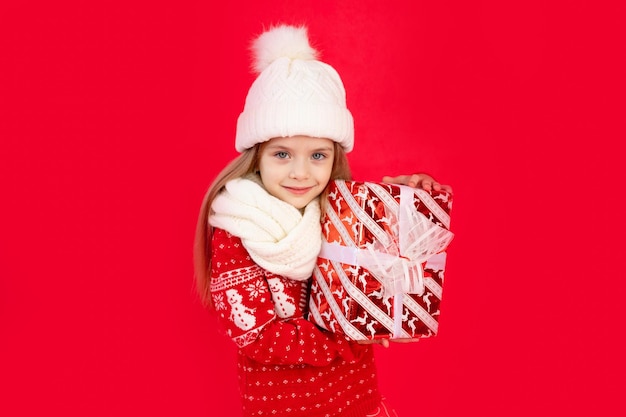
(246, 163)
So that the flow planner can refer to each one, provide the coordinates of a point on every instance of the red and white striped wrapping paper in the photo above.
(381, 269)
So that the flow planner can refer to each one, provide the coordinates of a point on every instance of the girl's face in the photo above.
(296, 169)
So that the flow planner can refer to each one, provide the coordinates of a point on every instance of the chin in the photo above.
(300, 203)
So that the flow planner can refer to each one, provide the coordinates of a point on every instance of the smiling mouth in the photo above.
(295, 190)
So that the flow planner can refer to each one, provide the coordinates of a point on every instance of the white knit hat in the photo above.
(294, 93)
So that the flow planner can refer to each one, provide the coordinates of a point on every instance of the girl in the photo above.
(259, 234)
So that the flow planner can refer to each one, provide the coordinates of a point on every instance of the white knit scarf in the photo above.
(278, 237)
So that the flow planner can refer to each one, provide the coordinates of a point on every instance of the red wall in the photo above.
(116, 117)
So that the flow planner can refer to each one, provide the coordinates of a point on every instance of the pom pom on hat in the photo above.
(282, 41)
(293, 94)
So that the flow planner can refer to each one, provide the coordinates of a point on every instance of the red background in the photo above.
(116, 116)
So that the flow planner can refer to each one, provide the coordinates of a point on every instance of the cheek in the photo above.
(265, 174)
(267, 179)
(269, 171)
(324, 175)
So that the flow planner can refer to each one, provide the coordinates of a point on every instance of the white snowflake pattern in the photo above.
(288, 283)
(218, 301)
(256, 289)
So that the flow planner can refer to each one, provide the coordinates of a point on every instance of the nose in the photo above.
(299, 170)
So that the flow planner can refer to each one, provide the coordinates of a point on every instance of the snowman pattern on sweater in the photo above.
(248, 298)
(242, 316)
(287, 365)
(284, 304)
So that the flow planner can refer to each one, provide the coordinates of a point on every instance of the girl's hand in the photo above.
(383, 342)
(422, 180)
(404, 340)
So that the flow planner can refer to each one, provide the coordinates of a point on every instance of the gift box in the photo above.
(381, 268)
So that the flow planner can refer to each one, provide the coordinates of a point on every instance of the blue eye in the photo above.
(318, 156)
(281, 154)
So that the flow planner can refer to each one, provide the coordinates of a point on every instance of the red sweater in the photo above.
(287, 365)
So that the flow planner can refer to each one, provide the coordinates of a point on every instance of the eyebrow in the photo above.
(283, 147)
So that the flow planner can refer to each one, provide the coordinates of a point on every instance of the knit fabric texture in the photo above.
(341, 389)
(294, 93)
(287, 366)
(277, 235)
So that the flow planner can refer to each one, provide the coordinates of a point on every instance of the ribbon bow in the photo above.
(398, 265)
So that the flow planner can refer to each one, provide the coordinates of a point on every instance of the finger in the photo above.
(373, 342)
(414, 180)
(427, 185)
(405, 340)
(400, 179)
